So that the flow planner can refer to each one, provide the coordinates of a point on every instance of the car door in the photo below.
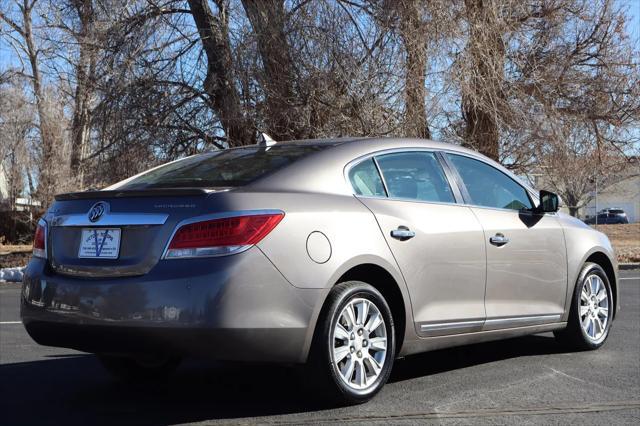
(438, 244)
(603, 219)
(526, 255)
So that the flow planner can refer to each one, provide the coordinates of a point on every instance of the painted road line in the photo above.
(629, 278)
(10, 322)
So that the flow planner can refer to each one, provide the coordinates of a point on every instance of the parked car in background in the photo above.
(340, 254)
(610, 216)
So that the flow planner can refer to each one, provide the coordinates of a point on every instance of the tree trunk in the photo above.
(412, 31)
(268, 20)
(85, 74)
(573, 211)
(481, 99)
(46, 180)
(219, 82)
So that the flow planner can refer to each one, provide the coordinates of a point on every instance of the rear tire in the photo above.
(354, 346)
(592, 307)
(139, 370)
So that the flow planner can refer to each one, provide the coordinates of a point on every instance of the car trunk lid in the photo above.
(129, 229)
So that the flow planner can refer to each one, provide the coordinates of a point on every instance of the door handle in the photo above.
(403, 233)
(498, 240)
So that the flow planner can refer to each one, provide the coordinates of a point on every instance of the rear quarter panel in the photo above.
(349, 226)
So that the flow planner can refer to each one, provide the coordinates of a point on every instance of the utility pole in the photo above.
(596, 200)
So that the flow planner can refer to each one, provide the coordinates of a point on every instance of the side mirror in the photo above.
(549, 202)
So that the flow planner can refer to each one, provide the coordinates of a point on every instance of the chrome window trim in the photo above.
(382, 178)
(455, 185)
(110, 219)
(410, 200)
(214, 216)
(372, 155)
(451, 177)
(508, 210)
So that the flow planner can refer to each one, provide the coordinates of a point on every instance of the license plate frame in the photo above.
(99, 243)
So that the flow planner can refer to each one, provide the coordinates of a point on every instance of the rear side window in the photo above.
(415, 176)
(488, 186)
(224, 168)
(365, 179)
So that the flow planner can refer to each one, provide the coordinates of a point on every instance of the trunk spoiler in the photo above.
(158, 192)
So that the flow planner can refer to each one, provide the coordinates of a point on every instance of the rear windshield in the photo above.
(224, 168)
(615, 211)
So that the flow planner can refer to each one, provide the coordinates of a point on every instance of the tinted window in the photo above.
(415, 175)
(365, 179)
(488, 186)
(224, 168)
(615, 211)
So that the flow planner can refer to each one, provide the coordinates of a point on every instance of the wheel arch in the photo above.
(601, 259)
(381, 275)
(385, 283)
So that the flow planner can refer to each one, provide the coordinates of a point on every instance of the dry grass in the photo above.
(12, 256)
(625, 240)
(7, 249)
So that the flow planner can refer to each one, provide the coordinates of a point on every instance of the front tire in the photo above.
(354, 346)
(591, 310)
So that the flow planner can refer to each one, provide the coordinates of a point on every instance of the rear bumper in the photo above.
(229, 308)
(252, 345)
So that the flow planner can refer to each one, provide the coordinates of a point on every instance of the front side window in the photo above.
(415, 176)
(488, 186)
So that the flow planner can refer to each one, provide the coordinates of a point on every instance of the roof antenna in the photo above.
(266, 140)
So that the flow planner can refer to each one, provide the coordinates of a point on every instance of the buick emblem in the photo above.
(97, 210)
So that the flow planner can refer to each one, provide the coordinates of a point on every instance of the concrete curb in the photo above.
(628, 266)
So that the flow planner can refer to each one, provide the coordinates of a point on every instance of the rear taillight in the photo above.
(39, 240)
(222, 236)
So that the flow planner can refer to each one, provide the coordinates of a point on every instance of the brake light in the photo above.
(39, 241)
(223, 236)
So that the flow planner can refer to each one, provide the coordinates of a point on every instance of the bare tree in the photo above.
(268, 19)
(482, 95)
(20, 21)
(213, 27)
(117, 86)
(573, 163)
(87, 39)
(16, 123)
(412, 16)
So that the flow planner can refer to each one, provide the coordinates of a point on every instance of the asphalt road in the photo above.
(528, 380)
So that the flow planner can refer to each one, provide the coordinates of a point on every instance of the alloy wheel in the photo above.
(359, 342)
(594, 307)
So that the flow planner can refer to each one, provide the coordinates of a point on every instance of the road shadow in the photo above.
(75, 390)
(430, 363)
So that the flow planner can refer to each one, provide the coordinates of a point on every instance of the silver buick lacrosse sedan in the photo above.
(340, 254)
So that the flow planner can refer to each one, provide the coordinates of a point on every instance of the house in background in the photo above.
(4, 190)
(8, 204)
(624, 195)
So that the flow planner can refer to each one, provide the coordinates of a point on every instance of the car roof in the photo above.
(378, 142)
(324, 170)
